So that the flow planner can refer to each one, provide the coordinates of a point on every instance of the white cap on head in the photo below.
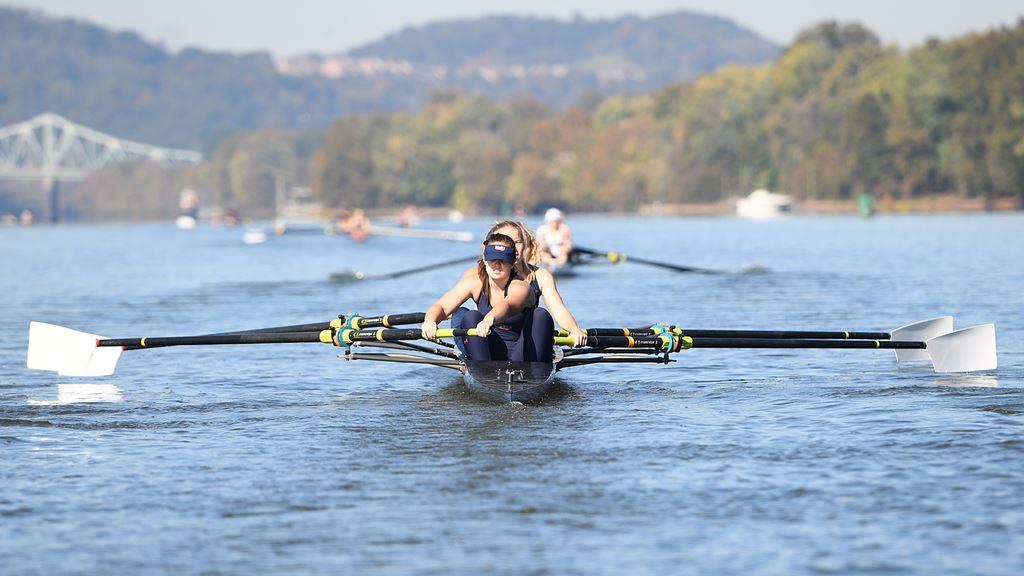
(553, 214)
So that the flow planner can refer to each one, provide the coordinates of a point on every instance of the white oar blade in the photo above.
(102, 362)
(966, 350)
(68, 352)
(50, 345)
(920, 332)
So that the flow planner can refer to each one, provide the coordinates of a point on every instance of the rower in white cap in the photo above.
(554, 239)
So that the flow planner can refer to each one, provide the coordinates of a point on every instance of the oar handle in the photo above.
(390, 335)
(621, 341)
(385, 321)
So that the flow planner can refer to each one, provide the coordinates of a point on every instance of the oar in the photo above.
(967, 350)
(72, 353)
(917, 331)
(351, 276)
(616, 257)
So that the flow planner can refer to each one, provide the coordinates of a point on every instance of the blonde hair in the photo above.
(529, 243)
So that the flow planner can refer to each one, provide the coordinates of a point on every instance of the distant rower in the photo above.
(554, 239)
(356, 225)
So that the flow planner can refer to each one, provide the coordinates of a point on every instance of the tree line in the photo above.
(837, 114)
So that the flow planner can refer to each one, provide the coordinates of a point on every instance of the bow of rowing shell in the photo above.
(500, 380)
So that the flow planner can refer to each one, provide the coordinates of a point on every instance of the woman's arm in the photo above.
(501, 308)
(553, 302)
(452, 299)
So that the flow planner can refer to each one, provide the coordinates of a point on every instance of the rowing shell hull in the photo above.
(504, 381)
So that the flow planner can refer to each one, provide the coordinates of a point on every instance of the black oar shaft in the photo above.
(668, 266)
(620, 257)
(804, 343)
(314, 327)
(347, 276)
(771, 334)
(419, 269)
(784, 334)
(213, 339)
(295, 333)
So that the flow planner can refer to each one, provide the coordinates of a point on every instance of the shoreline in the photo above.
(946, 204)
(943, 204)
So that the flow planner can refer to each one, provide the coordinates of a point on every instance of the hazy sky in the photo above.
(292, 26)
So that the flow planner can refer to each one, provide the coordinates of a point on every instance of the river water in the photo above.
(286, 459)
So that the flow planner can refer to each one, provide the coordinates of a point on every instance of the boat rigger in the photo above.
(69, 352)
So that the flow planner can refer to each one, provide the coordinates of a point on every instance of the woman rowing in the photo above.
(554, 240)
(541, 282)
(501, 300)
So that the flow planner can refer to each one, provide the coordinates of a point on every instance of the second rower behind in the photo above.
(554, 240)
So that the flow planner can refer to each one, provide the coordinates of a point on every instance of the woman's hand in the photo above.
(429, 330)
(484, 327)
(578, 337)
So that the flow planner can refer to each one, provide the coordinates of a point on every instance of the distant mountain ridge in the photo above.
(120, 83)
(507, 40)
(611, 55)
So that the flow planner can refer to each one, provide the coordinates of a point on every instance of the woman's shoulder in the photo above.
(543, 275)
(470, 281)
(518, 285)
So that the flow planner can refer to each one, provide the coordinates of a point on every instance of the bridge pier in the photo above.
(53, 187)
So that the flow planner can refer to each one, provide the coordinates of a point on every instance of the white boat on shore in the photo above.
(185, 222)
(762, 204)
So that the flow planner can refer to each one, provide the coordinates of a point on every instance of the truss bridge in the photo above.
(51, 149)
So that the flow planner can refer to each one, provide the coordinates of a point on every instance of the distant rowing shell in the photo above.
(449, 235)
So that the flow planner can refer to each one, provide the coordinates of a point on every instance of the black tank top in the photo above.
(509, 328)
(535, 286)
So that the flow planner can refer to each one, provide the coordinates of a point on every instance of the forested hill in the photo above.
(120, 83)
(671, 47)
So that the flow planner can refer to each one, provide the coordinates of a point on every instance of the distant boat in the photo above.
(254, 236)
(453, 236)
(185, 222)
(188, 209)
(762, 204)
